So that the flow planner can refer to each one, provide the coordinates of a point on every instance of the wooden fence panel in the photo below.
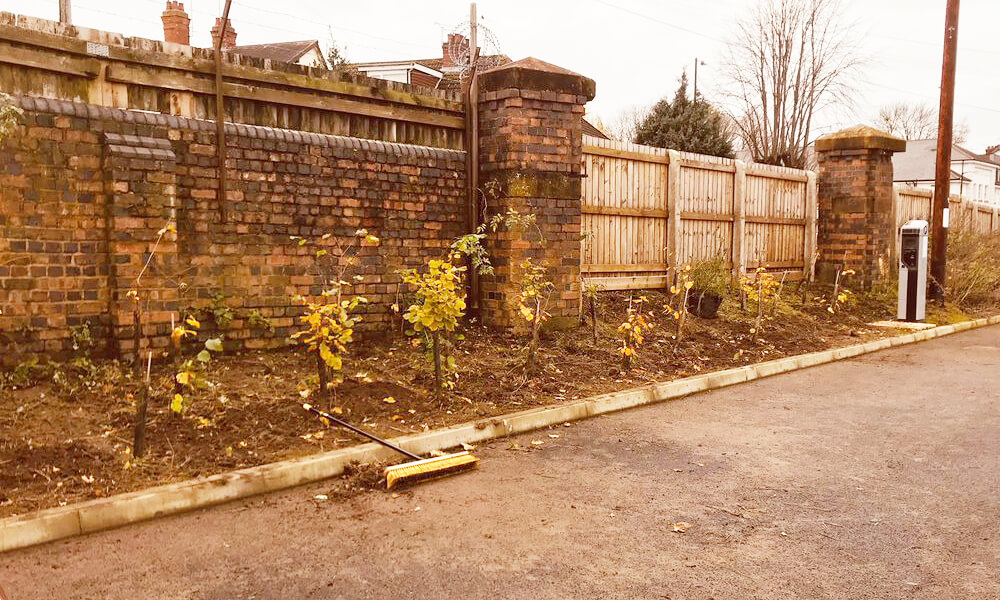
(640, 223)
(916, 203)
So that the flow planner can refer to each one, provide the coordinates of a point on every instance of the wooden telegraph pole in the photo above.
(220, 113)
(472, 144)
(942, 173)
(65, 12)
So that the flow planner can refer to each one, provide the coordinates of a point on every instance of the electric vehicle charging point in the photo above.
(913, 271)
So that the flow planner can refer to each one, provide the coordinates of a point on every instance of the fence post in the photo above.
(811, 233)
(674, 210)
(995, 221)
(739, 219)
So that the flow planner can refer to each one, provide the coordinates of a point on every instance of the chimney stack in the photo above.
(229, 41)
(457, 47)
(176, 24)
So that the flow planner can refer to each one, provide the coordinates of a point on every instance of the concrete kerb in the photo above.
(108, 513)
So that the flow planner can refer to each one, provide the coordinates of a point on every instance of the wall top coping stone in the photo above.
(860, 137)
(92, 111)
(534, 74)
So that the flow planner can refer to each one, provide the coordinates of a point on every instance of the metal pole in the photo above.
(220, 113)
(942, 173)
(65, 12)
(695, 95)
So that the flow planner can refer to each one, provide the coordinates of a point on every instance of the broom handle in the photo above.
(362, 432)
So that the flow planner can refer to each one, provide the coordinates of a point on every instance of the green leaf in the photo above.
(204, 356)
(214, 344)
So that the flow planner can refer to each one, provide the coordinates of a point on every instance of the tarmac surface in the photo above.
(877, 477)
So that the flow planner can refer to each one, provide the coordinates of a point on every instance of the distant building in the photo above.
(446, 72)
(973, 176)
(177, 30)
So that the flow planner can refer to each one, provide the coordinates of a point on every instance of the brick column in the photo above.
(531, 152)
(141, 186)
(856, 227)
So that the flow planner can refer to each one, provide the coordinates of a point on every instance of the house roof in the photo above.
(451, 80)
(289, 52)
(918, 162)
(591, 130)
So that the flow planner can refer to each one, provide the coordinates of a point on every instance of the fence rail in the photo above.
(647, 210)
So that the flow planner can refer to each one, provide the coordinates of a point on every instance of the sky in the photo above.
(634, 49)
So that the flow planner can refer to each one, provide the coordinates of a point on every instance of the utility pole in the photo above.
(220, 113)
(696, 62)
(472, 145)
(65, 13)
(942, 173)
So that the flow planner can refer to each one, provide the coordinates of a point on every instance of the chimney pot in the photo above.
(176, 24)
(229, 41)
(456, 47)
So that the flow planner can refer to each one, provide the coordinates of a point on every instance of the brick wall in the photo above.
(856, 221)
(531, 147)
(85, 189)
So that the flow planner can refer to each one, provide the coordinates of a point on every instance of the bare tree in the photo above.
(914, 121)
(908, 121)
(625, 124)
(789, 59)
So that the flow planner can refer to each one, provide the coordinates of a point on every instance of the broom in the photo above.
(420, 469)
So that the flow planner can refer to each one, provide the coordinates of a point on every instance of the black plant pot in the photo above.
(704, 304)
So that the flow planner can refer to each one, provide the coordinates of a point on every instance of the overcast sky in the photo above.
(634, 49)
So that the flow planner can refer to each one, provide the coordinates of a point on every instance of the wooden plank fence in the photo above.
(647, 210)
(915, 203)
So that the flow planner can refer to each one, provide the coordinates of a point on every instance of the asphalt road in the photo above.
(872, 478)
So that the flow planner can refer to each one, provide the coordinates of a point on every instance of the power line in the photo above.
(920, 95)
(660, 21)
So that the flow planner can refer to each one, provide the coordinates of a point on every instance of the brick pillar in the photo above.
(531, 152)
(176, 24)
(855, 227)
(142, 189)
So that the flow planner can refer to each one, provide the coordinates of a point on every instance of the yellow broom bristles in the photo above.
(428, 468)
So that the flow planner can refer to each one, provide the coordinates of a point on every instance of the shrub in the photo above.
(633, 331)
(440, 302)
(329, 322)
(711, 275)
(973, 267)
(533, 292)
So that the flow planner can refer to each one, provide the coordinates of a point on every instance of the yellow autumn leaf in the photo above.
(389, 400)
(184, 377)
(177, 404)
(192, 322)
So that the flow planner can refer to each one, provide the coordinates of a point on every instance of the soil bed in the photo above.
(67, 428)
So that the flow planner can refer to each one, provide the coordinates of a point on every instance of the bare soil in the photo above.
(67, 428)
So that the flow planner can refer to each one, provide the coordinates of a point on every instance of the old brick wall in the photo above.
(84, 191)
(53, 245)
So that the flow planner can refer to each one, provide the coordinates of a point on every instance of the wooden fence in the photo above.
(647, 210)
(915, 203)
